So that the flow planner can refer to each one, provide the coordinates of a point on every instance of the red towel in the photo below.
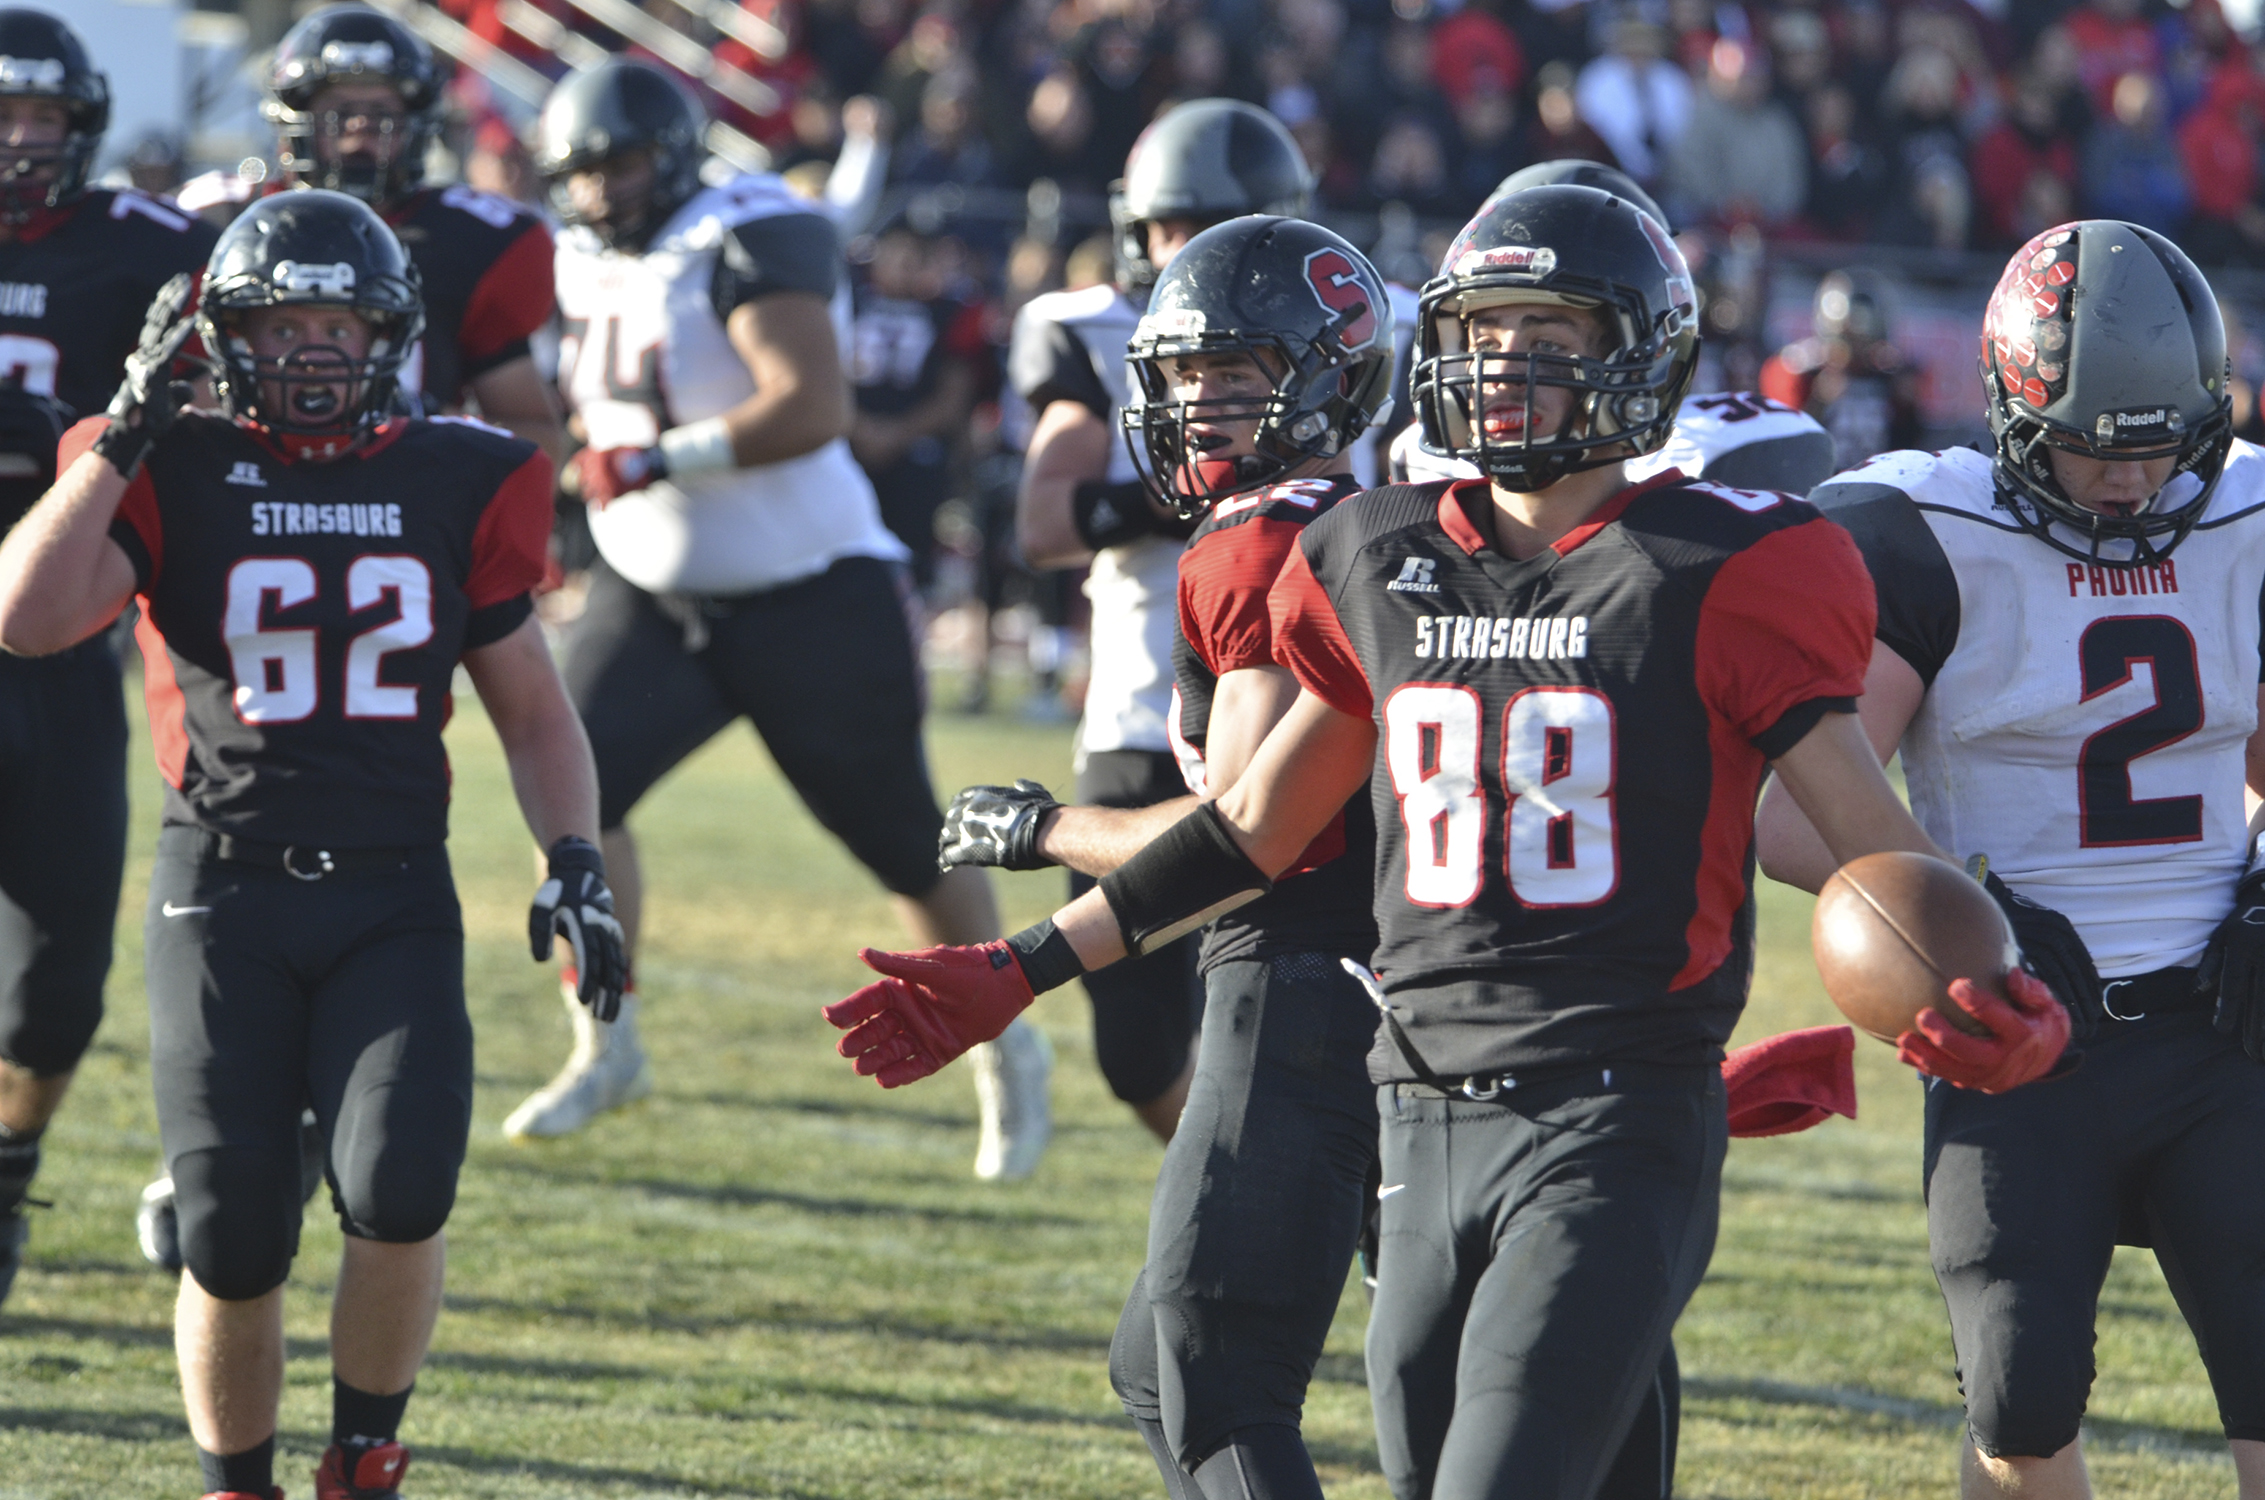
(1786, 1083)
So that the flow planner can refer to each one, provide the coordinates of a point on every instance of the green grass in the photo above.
(774, 1280)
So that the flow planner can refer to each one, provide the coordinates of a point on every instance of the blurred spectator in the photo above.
(1741, 157)
(2030, 139)
(1199, 61)
(1117, 65)
(2219, 145)
(1410, 166)
(1487, 151)
(1557, 130)
(1849, 374)
(1929, 199)
(2132, 166)
(1634, 98)
(498, 163)
(2112, 41)
(154, 165)
(1802, 51)
(1092, 263)
(1847, 174)
(930, 48)
(1060, 143)
(916, 363)
(1473, 52)
(947, 146)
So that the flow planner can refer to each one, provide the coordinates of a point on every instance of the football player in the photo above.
(77, 267)
(1082, 504)
(2073, 685)
(311, 572)
(1737, 438)
(1562, 690)
(743, 567)
(355, 98)
(1265, 354)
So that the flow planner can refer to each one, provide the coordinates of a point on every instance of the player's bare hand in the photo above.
(927, 1009)
(604, 475)
(996, 826)
(575, 903)
(2233, 968)
(2028, 1035)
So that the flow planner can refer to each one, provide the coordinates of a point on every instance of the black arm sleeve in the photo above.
(782, 253)
(1917, 590)
(1049, 362)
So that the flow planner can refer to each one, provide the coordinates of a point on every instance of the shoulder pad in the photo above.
(1953, 479)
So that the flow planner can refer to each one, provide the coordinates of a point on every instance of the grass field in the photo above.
(774, 1280)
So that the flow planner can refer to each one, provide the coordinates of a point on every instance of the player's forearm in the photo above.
(552, 772)
(1096, 840)
(786, 421)
(61, 577)
(1045, 531)
(1835, 777)
(513, 396)
(1787, 847)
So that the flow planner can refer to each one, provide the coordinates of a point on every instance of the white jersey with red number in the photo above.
(645, 350)
(2084, 726)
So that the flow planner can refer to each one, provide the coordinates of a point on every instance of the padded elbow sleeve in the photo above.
(1192, 872)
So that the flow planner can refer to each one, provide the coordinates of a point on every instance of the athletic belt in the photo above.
(1563, 1082)
(2162, 992)
(304, 860)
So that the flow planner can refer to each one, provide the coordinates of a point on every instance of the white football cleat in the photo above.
(1012, 1076)
(606, 1070)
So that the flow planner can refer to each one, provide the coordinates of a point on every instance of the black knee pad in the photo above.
(48, 1017)
(396, 1201)
(239, 1212)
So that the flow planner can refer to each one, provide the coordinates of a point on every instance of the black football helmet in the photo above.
(353, 44)
(1209, 160)
(622, 105)
(41, 58)
(1574, 247)
(2103, 339)
(1302, 302)
(315, 248)
(1575, 171)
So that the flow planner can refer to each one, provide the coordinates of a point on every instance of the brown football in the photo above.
(1893, 930)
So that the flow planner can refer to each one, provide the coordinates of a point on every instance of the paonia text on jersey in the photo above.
(645, 349)
(1321, 904)
(1569, 752)
(2085, 726)
(301, 622)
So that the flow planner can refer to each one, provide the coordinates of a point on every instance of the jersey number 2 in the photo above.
(1561, 835)
(2112, 817)
(275, 669)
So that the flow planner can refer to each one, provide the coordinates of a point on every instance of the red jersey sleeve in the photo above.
(1224, 583)
(1788, 622)
(135, 528)
(512, 545)
(1310, 640)
(512, 299)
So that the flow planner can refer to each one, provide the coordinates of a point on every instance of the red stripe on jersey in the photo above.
(137, 508)
(1612, 510)
(1310, 640)
(511, 548)
(1456, 500)
(512, 298)
(168, 720)
(1786, 621)
(1224, 578)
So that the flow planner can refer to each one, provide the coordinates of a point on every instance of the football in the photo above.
(1891, 932)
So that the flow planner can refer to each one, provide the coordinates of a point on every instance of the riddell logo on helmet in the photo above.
(1531, 260)
(336, 279)
(2158, 417)
(31, 72)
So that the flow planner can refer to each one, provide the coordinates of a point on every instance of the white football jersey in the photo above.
(1070, 346)
(1777, 447)
(644, 348)
(2084, 726)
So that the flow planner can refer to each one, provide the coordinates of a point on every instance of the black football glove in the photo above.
(574, 903)
(2233, 968)
(996, 826)
(148, 399)
(2052, 950)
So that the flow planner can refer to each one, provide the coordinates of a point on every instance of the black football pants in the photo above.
(2155, 1139)
(62, 849)
(1144, 1009)
(1535, 1253)
(268, 993)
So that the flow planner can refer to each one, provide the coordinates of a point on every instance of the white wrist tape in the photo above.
(702, 447)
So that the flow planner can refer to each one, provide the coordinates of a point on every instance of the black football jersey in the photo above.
(486, 267)
(1321, 904)
(74, 288)
(301, 622)
(1569, 752)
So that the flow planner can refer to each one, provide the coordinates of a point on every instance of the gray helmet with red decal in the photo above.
(2102, 339)
(1303, 303)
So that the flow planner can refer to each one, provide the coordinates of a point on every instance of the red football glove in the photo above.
(934, 1005)
(1790, 1082)
(607, 474)
(2027, 1037)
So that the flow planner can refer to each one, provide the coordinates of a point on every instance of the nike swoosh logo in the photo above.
(1386, 1192)
(182, 911)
